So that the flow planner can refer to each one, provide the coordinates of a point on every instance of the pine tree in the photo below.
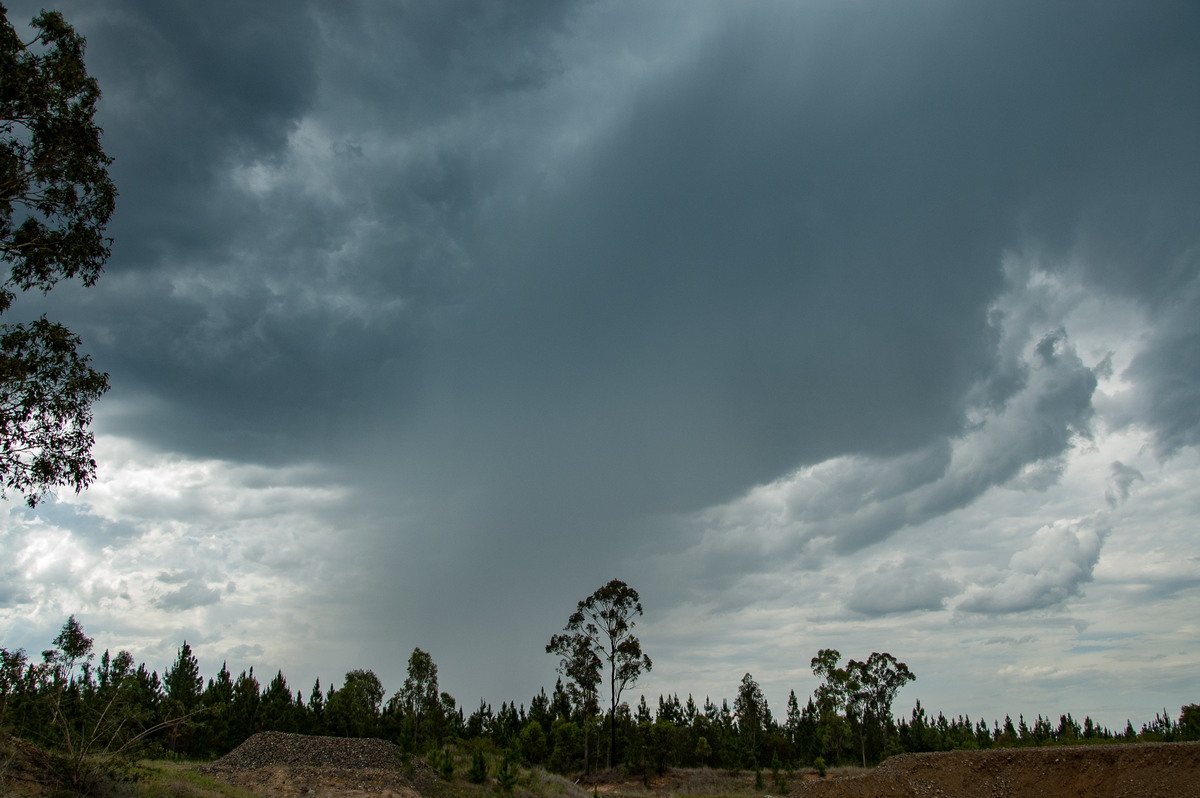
(243, 708)
(316, 710)
(277, 712)
(479, 769)
(183, 684)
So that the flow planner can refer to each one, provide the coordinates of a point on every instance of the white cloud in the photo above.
(163, 545)
(1057, 563)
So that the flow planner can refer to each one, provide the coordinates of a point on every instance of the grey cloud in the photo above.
(1120, 483)
(302, 306)
(1005, 640)
(1153, 587)
(905, 586)
(13, 588)
(188, 92)
(1167, 371)
(638, 323)
(849, 503)
(622, 310)
(245, 653)
(1021, 443)
(194, 593)
(98, 532)
(1053, 569)
(423, 61)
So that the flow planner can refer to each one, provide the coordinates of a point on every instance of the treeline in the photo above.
(74, 703)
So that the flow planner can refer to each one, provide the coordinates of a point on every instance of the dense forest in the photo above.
(79, 704)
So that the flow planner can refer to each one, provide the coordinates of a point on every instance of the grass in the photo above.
(172, 779)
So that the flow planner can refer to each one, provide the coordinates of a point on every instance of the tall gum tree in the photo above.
(601, 631)
(56, 199)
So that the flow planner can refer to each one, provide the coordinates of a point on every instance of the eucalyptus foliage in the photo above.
(601, 630)
(56, 199)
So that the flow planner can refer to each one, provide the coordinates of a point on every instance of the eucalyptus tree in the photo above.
(863, 690)
(601, 631)
(878, 679)
(580, 663)
(56, 199)
(353, 711)
(418, 698)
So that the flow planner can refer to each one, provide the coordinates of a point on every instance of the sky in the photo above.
(856, 325)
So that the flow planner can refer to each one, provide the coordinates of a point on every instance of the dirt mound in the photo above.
(1099, 771)
(24, 768)
(282, 765)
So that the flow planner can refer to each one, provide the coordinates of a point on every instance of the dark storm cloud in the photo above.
(417, 64)
(526, 279)
(189, 91)
(784, 251)
(246, 316)
(1167, 372)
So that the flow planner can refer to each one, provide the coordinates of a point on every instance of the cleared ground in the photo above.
(290, 766)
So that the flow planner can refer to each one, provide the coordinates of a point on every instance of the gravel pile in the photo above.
(269, 749)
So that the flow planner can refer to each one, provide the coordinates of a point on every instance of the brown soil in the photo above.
(1099, 771)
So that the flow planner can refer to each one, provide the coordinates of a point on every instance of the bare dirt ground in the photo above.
(290, 766)
(1099, 771)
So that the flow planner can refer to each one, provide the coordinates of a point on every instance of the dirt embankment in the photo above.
(1099, 771)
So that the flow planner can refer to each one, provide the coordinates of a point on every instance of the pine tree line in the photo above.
(72, 703)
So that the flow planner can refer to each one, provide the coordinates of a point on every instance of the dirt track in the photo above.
(1109, 771)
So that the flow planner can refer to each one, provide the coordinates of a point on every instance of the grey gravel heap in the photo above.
(268, 749)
